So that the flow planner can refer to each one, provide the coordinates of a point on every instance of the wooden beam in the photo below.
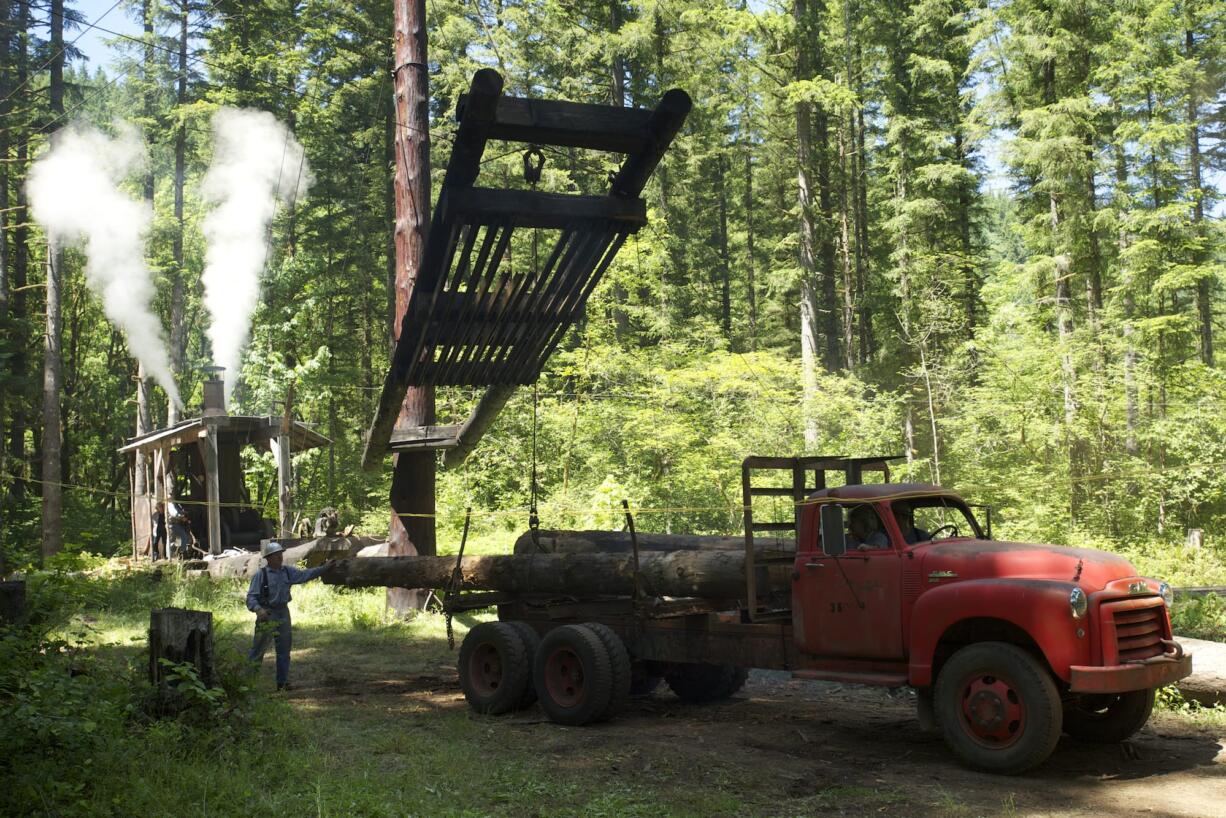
(568, 124)
(666, 121)
(423, 437)
(529, 208)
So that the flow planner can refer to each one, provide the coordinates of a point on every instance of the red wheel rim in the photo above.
(485, 669)
(992, 711)
(564, 677)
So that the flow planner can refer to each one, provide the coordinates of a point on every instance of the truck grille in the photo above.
(1138, 630)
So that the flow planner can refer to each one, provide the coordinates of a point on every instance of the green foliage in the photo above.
(1014, 277)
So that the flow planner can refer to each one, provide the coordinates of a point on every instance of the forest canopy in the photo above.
(983, 236)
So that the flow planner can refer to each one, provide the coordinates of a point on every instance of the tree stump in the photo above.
(12, 602)
(181, 636)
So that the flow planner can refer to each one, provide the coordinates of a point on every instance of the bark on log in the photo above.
(709, 574)
(618, 542)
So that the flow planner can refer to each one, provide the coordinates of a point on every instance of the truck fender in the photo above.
(986, 609)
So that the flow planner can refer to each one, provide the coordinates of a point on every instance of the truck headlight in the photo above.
(1167, 593)
(1078, 603)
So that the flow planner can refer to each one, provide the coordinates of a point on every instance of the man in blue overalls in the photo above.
(268, 598)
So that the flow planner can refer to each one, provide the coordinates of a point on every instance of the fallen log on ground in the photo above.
(1207, 684)
(619, 542)
(708, 574)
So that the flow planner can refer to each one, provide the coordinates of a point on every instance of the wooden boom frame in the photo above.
(467, 323)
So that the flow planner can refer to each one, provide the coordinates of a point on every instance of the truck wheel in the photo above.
(998, 708)
(619, 664)
(532, 641)
(700, 683)
(1108, 718)
(494, 668)
(573, 675)
(645, 677)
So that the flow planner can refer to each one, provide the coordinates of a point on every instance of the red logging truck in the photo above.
(1007, 644)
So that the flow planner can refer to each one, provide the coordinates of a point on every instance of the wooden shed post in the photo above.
(212, 484)
(280, 446)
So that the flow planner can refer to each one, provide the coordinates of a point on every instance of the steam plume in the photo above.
(74, 194)
(256, 161)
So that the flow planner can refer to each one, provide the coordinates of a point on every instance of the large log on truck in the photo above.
(620, 542)
(706, 574)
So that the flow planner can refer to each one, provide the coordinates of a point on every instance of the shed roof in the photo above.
(253, 429)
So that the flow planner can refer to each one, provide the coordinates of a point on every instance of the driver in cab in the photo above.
(864, 530)
(904, 515)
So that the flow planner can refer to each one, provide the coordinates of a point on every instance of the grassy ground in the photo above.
(376, 726)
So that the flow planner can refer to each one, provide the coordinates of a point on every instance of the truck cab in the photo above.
(1007, 643)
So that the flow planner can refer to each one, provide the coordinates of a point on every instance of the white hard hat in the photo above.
(273, 548)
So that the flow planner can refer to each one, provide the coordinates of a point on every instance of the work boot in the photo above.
(284, 686)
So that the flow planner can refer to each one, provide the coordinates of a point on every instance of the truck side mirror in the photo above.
(834, 541)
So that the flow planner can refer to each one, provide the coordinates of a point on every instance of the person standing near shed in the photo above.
(268, 598)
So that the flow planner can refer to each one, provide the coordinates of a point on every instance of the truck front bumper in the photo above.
(1156, 672)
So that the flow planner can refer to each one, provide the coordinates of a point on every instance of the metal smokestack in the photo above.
(214, 392)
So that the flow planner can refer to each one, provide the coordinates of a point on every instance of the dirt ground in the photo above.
(792, 747)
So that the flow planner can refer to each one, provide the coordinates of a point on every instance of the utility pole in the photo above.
(412, 494)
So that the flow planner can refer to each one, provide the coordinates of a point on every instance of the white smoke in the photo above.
(74, 194)
(256, 161)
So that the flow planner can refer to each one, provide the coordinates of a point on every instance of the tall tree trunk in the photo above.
(830, 299)
(1094, 276)
(389, 216)
(809, 329)
(1064, 319)
(750, 283)
(412, 529)
(849, 288)
(617, 94)
(1128, 331)
(144, 417)
(6, 331)
(19, 364)
(932, 415)
(970, 284)
(52, 507)
(1204, 295)
(725, 259)
(178, 284)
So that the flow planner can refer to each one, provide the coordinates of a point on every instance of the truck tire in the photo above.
(573, 675)
(494, 668)
(532, 641)
(998, 708)
(700, 683)
(619, 665)
(1108, 718)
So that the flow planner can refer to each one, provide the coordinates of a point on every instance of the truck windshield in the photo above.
(934, 518)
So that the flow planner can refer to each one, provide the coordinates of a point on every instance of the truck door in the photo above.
(851, 605)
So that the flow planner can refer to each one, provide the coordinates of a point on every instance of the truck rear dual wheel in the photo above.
(532, 641)
(495, 668)
(619, 667)
(573, 675)
(998, 708)
(1108, 718)
(700, 683)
